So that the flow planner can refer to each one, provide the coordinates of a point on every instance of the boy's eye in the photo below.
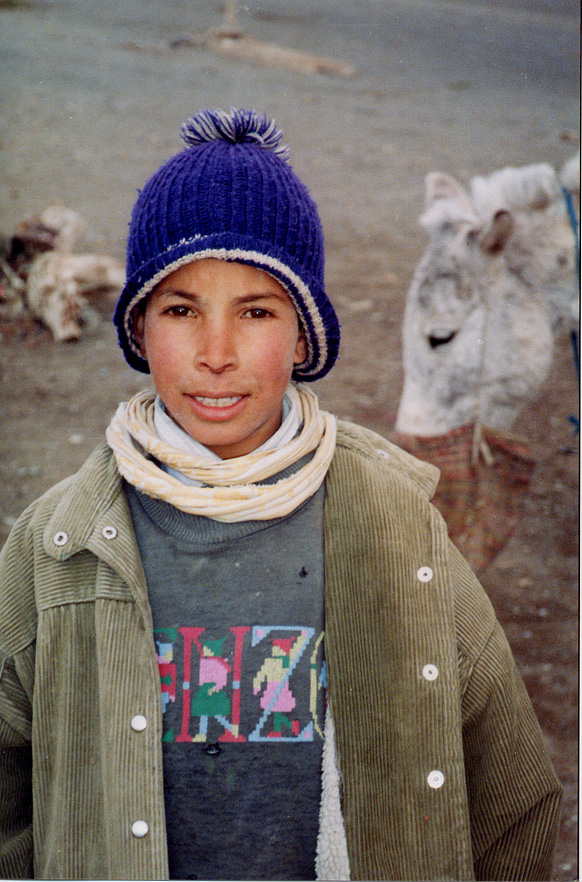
(179, 310)
(257, 312)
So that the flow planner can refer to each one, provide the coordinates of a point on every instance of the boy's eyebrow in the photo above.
(262, 295)
(244, 298)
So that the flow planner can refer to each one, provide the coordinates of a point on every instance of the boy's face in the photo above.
(221, 340)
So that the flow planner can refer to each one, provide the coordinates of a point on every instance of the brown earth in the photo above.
(363, 145)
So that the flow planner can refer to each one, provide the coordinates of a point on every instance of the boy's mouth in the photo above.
(219, 409)
(217, 402)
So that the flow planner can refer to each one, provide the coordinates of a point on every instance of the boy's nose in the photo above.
(216, 350)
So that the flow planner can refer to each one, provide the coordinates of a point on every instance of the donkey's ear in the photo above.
(496, 233)
(438, 185)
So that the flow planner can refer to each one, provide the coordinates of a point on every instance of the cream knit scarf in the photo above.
(232, 490)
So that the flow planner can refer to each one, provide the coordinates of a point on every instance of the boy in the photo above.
(203, 547)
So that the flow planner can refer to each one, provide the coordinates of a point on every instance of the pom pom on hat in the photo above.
(236, 127)
(231, 194)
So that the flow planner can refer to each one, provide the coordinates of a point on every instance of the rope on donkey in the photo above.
(574, 221)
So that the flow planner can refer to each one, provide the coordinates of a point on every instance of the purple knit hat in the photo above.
(231, 194)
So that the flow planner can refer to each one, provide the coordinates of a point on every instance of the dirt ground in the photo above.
(363, 145)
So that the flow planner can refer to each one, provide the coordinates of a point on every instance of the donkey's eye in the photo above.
(440, 339)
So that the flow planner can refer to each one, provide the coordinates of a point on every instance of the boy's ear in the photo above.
(138, 330)
(301, 348)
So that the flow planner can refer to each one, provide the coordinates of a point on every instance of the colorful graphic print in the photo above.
(262, 684)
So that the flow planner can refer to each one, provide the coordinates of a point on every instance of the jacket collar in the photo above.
(423, 475)
(92, 514)
(93, 500)
(87, 497)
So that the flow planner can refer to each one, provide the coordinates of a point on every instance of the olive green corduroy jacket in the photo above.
(421, 680)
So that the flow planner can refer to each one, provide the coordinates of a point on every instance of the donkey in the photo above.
(497, 282)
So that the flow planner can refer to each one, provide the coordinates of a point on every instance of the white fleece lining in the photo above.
(331, 860)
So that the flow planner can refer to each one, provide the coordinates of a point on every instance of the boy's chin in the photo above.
(232, 445)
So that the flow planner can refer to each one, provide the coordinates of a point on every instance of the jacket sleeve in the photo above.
(17, 651)
(15, 779)
(513, 792)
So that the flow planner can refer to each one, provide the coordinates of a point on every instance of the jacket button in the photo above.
(436, 779)
(138, 723)
(424, 574)
(60, 538)
(430, 672)
(109, 532)
(139, 829)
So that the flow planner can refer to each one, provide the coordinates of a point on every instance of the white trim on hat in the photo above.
(261, 261)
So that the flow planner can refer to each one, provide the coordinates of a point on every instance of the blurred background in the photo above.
(92, 96)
